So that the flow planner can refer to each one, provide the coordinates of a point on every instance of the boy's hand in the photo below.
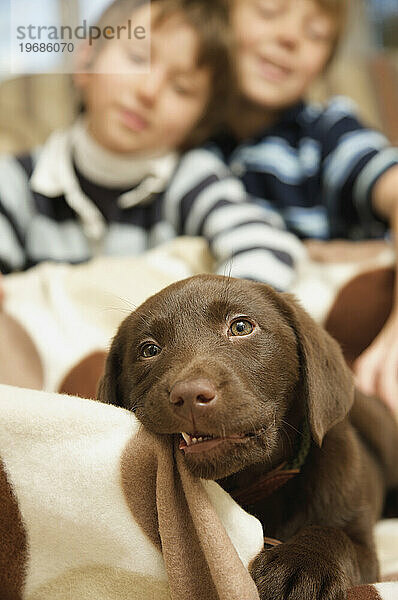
(376, 369)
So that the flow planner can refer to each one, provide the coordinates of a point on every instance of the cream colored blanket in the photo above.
(94, 507)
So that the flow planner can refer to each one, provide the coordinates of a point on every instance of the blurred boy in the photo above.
(114, 183)
(318, 168)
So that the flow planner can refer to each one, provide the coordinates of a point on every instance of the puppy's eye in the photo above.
(241, 327)
(150, 350)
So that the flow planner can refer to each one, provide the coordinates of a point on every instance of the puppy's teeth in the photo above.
(201, 439)
(194, 440)
(186, 437)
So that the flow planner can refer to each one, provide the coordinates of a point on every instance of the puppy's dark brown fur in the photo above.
(234, 359)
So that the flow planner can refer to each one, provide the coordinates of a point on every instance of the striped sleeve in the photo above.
(15, 214)
(354, 158)
(247, 240)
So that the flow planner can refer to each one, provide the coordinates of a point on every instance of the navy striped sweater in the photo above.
(49, 211)
(315, 169)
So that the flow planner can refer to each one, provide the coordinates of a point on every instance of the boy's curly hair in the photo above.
(210, 20)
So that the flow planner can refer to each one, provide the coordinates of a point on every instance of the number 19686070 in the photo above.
(47, 47)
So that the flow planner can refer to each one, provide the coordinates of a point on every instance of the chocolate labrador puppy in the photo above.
(261, 400)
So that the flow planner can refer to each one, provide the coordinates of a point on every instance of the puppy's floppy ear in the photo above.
(108, 390)
(327, 381)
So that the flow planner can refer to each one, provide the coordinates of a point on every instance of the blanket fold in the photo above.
(179, 519)
(94, 504)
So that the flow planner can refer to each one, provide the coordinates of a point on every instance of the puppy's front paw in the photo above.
(291, 572)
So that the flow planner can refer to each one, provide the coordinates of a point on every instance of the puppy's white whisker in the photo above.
(129, 306)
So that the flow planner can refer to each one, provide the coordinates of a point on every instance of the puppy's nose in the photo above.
(193, 395)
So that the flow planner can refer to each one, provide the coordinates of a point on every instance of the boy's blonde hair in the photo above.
(210, 20)
(338, 10)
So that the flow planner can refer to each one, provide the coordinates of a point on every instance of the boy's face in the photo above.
(282, 46)
(146, 112)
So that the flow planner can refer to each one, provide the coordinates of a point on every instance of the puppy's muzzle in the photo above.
(193, 398)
